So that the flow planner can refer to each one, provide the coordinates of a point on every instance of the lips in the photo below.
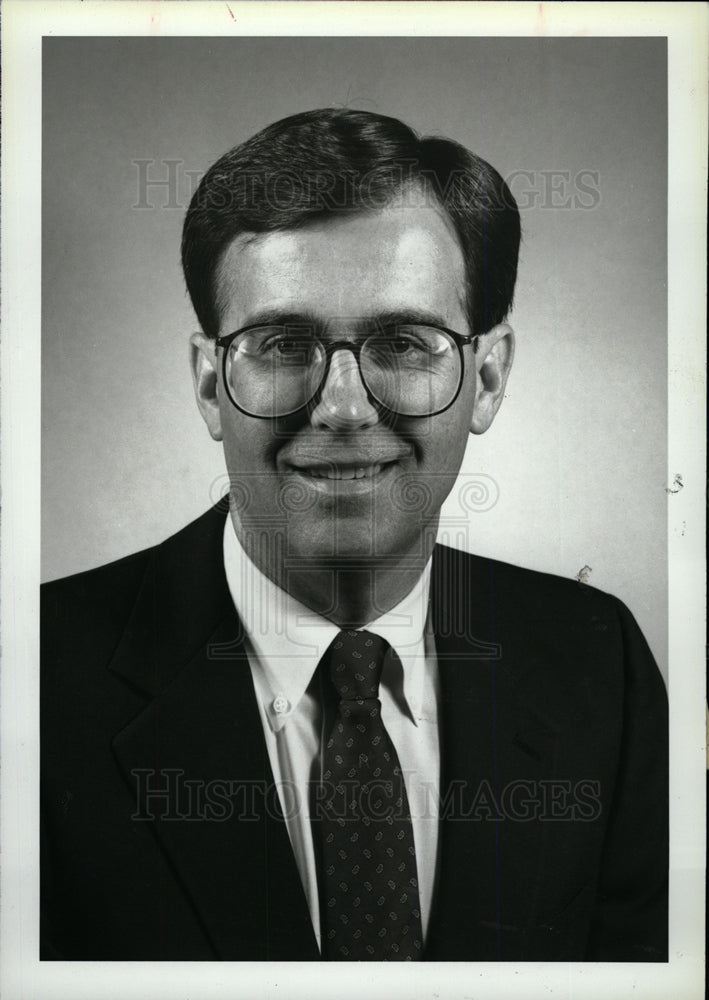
(349, 466)
(343, 464)
(339, 472)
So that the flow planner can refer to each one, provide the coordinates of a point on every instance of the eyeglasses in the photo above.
(409, 369)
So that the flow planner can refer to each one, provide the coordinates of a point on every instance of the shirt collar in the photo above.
(288, 638)
(403, 628)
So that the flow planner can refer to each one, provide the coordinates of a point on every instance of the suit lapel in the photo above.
(196, 759)
(490, 738)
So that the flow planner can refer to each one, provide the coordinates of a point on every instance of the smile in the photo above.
(352, 478)
(343, 472)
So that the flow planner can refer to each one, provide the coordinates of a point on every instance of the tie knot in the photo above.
(356, 659)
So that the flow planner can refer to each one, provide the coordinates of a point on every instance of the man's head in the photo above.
(345, 230)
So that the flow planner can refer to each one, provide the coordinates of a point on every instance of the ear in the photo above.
(203, 363)
(493, 361)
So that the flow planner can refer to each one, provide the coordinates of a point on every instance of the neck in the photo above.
(348, 591)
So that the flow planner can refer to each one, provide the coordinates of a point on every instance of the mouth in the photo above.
(340, 473)
(353, 478)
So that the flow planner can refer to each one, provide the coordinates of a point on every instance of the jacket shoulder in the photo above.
(527, 591)
(98, 580)
(86, 614)
(540, 615)
(89, 610)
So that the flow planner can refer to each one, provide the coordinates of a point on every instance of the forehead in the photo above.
(403, 256)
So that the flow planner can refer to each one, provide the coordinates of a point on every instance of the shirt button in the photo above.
(281, 705)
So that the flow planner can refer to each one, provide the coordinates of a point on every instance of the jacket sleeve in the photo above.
(630, 916)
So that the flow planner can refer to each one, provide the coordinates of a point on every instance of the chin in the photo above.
(329, 545)
(347, 541)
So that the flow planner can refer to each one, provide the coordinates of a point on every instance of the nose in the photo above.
(343, 403)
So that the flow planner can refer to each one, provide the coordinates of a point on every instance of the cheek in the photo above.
(443, 443)
(246, 447)
(253, 481)
(251, 449)
(248, 441)
(421, 489)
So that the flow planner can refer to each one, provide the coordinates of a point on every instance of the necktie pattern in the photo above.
(369, 902)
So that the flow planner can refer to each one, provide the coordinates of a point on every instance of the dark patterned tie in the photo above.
(369, 901)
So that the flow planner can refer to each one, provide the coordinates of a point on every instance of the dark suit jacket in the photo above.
(553, 833)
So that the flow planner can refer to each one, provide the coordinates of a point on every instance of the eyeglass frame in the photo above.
(459, 339)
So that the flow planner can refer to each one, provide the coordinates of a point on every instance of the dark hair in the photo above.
(330, 161)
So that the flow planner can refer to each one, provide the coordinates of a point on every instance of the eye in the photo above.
(409, 343)
(290, 352)
(290, 346)
(406, 344)
(278, 344)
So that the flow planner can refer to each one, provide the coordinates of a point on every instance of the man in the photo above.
(300, 729)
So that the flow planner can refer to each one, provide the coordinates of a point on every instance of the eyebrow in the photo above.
(392, 317)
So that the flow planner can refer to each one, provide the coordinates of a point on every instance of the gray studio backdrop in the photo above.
(572, 475)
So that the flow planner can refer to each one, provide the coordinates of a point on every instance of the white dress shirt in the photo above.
(284, 643)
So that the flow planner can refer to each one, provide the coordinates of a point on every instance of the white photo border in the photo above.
(24, 23)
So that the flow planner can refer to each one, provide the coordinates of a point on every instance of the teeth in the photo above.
(364, 472)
